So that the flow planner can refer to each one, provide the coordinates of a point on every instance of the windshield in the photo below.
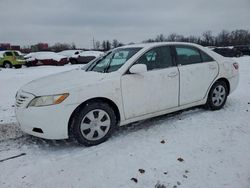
(113, 60)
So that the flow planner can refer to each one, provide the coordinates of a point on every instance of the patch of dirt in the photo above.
(10, 131)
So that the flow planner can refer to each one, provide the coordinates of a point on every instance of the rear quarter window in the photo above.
(205, 57)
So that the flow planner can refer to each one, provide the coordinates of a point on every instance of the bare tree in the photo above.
(160, 38)
(208, 38)
(115, 43)
(223, 38)
(106, 45)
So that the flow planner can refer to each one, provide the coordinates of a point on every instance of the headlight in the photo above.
(48, 100)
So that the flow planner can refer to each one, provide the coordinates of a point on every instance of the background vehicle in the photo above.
(45, 58)
(228, 52)
(84, 57)
(245, 49)
(9, 59)
(127, 84)
(69, 53)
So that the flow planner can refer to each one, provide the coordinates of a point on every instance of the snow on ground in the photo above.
(194, 148)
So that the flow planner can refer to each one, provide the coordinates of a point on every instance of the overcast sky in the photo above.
(27, 22)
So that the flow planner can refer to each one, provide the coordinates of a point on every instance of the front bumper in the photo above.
(51, 121)
(20, 62)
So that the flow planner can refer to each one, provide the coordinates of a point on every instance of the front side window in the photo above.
(187, 55)
(113, 60)
(157, 58)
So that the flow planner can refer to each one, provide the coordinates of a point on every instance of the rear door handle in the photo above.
(172, 74)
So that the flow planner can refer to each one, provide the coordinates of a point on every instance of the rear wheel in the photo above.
(28, 64)
(217, 96)
(73, 61)
(7, 64)
(93, 124)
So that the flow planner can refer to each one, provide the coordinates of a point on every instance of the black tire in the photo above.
(28, 64)
(7, 64)
(73, 61)
(82, 115)
(217, 96)
(17, 66)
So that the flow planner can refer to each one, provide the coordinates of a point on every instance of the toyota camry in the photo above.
(127, 84)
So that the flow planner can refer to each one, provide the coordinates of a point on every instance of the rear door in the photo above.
(197, 71)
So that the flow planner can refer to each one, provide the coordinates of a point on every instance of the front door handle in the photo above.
(172, 74)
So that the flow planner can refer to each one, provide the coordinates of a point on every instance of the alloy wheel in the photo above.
(95, 124)
(219, 95)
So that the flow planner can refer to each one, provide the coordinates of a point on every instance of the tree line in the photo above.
(207, 38)
(224, 38)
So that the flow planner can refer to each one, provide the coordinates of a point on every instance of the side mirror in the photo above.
(138, 69)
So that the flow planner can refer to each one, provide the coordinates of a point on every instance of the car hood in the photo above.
(63, 82)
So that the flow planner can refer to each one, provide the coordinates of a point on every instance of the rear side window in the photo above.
(187, 55)
(205, 57)
(8, 54)
(157, 58)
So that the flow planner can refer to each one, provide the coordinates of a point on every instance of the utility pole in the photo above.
(93, 43)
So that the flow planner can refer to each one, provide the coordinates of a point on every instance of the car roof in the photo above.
(2, 52)
(8, 51)
(155, 44)
(222, 48)
(246, 45)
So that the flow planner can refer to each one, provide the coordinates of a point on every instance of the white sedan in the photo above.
(128, 84)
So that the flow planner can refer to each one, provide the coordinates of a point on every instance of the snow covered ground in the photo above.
(194, 148)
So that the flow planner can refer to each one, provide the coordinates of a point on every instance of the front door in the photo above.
(152, 91)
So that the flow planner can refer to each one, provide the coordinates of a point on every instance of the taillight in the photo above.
(236, 66)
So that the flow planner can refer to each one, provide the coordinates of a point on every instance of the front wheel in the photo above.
(94, 123)
(217, 96)
(7, 65)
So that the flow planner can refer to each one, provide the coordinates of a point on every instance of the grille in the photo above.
(22, 99)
